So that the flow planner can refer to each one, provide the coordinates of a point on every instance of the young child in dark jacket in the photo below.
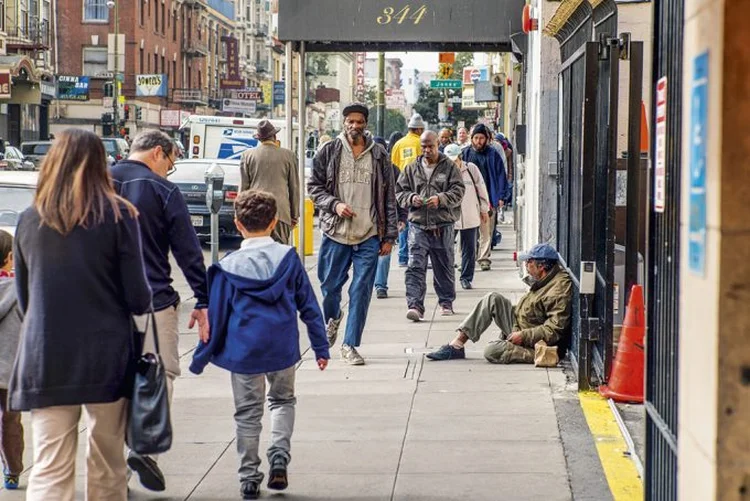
(255, 294)
(11, 446)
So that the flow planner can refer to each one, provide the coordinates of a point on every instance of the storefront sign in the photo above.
(172, 118)
(472, 75)
(5, 84)
(360, 75)
(660, 167)
(236, 106)
(72, 88)
(279, 93)
(49, 90)
(249, 94)
(232, 79)
(698, 158)
(266, 96)
(151, 85)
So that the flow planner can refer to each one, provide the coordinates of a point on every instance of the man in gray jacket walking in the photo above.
(432, 189)
(273, 169)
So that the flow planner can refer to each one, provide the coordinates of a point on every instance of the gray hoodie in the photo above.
(10, 328)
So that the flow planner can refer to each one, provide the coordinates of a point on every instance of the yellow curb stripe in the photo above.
(621, 473)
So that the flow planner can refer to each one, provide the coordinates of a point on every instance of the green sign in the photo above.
(445, 84)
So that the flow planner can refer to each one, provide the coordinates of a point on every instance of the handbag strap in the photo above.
(151, 316)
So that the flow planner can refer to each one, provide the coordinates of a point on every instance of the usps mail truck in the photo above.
(227, 137)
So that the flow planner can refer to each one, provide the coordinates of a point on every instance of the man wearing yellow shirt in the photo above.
(405, 152)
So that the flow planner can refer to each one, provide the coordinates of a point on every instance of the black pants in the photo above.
(438, 246)
(468, 252)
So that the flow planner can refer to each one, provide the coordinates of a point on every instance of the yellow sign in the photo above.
(445, 71)
(267, 88)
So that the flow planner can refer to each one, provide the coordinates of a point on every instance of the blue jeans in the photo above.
(334, 262)
(381, 276)
(469, 240)
(403, 246)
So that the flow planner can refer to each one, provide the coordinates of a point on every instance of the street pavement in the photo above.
(399, 428)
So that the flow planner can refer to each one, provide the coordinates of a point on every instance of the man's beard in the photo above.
(355, 135)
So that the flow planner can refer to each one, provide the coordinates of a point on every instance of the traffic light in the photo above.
(138, 113)
(107, 118)
(109, 89)
(126, 112)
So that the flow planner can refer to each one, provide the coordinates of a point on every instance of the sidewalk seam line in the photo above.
(213, 465)
(406, 429)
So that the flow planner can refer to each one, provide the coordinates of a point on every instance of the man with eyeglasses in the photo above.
(165, 225)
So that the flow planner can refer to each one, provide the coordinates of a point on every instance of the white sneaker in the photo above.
(332, 330)
(350, 355)
(414, 315)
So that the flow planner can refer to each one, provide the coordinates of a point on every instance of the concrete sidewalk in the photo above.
(400, 428)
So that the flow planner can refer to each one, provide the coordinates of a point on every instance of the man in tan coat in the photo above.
(273, 169)
(543, 314)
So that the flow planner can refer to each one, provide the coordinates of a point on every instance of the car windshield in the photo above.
(193, 172)
(35, 149)
(110, 146)
(13, 201)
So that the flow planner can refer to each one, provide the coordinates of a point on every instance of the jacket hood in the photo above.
(8, 298)
(261, 272)
(369, 141)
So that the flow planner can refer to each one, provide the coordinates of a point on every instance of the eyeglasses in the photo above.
(172, 166)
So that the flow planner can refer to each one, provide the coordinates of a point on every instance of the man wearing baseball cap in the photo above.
(543, 314)
(353, 186)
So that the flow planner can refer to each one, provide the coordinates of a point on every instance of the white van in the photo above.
(227, 137)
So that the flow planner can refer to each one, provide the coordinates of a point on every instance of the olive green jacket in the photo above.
(544, 313)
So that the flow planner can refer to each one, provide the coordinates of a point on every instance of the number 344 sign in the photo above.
(399, 21)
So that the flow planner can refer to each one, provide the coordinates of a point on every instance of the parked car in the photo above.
(188, 175)
(34, 151)
(16, 195)
(14, 160)
(117, 148)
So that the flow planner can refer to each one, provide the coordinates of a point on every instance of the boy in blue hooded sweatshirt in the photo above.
(254, 296)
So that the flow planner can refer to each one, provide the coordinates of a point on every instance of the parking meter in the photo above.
(214, 200)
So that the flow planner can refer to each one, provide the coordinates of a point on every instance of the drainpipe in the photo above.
(57, 57)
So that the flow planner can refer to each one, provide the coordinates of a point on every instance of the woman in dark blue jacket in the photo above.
(80, 278)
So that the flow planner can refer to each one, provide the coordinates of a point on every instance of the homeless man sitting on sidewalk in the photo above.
(543, 314)
(255, 294)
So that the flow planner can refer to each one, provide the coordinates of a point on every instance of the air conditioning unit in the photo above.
(498, 80)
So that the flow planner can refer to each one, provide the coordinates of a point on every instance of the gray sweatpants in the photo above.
(498, 308)
(438, 245)
(249, 396)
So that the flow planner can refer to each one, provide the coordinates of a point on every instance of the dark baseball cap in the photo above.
(540, 251)
(357, 108)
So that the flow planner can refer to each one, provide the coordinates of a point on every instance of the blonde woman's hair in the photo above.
(75, 187)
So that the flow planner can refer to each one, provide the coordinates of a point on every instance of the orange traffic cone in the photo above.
(626, 380)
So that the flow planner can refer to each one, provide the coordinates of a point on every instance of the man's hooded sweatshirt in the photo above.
(255, 294)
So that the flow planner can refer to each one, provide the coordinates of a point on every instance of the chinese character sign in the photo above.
(232, 79)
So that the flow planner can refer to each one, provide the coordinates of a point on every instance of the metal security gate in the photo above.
(589, 97)
(662, 340)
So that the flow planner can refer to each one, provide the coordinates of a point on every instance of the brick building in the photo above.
(179, 40)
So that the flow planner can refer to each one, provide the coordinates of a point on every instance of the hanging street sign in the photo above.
(445, 84)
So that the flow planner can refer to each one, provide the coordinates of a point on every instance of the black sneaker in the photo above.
(381, 294)
(447, 352)
(465, 284)
(277, 477)
(250, 490)
(148, 472)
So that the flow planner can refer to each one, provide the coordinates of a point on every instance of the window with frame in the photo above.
(95, 10)
(140, 57)
(163, 17)
(94, 61)
(141, 12)
(2, 15)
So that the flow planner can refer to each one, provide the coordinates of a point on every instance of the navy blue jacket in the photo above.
(165, 224)
(492, 166)
(256, 293)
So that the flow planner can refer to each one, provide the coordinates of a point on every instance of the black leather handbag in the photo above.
(149, 424)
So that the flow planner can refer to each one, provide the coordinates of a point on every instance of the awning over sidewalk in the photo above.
(380, 25)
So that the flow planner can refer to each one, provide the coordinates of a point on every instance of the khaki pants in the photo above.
(495, 307)
(485, 239)
(55, 440)
(167, 329)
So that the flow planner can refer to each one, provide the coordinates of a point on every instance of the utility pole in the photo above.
(114, 4)
(380, 129)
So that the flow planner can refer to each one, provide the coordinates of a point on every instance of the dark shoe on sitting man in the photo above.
(447, 352)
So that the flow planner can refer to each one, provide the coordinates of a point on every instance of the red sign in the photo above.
(232, 79)
(360, 75)
(660, 167)
(4, 84)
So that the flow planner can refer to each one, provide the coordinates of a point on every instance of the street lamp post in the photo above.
(113, 4)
